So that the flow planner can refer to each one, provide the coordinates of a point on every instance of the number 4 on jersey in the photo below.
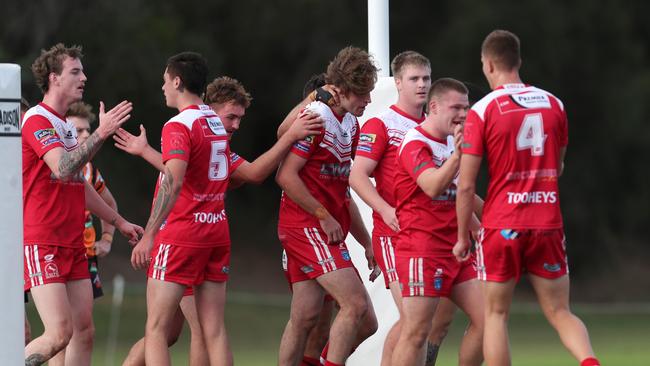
(531, 135)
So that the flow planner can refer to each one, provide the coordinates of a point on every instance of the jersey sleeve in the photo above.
(473, 134)
(416, 158)
(372, 140)
(306, 147)
(235, 161)
(40, 135)
(175, 142)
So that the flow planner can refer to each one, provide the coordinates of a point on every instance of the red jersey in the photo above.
(520, 129)
(53, 209)
(198, 218)
(426, 224)
(326, 172)
(379, 140)
(235, 161)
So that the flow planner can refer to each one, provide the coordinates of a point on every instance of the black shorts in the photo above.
(95, 282)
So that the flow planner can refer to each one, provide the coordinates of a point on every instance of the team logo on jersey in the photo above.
(368, 138)
(51, 270)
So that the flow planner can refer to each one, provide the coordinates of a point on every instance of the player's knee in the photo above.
(86, 335)
(415, 333)
(60, 337)
(357, 307)
(305, 320)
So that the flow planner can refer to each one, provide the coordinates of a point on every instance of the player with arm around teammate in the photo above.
(523, 132)
(315, 217)
(54, 198)
(425, 188)
(229, 99)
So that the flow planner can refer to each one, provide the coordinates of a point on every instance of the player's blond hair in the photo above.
(352, 70)
(503, 49)
(408, 58)
(81, 110)
(225, 89)
(52, 61)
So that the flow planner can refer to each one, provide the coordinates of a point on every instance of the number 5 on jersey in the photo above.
(218, 161)
(531, 135)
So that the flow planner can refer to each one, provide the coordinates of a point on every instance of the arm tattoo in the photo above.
(35, 360)
(72, 161)
(164, 200)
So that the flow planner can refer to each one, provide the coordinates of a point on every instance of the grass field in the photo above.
(620, 334)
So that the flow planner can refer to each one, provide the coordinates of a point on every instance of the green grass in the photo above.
(255, 324)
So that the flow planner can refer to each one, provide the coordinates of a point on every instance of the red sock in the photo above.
(328, 363)
(323, 355)
(310, 361)
(590, 361)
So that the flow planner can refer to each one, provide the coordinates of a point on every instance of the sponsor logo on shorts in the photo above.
(345, 254)
(532, 197)
(555, 267)
(418, 284)
(285, 265)
(307, 269)
(437, 279)
(225, 269)
(49, 257)
(509, 234)
(210, 217)
(51, 270)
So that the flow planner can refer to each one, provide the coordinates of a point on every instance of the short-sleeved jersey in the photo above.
(379, 140)
(426, 224)
(235, 161)
(53, 209)
(198, 219)
(326, 172)
(520, 129)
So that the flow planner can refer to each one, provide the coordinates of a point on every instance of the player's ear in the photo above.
(177, 82)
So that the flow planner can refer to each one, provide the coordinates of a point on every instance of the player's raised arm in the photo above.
(306, 124)
(65, 164)
(139, 146)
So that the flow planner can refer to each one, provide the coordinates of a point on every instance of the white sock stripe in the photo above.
(316, 249)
